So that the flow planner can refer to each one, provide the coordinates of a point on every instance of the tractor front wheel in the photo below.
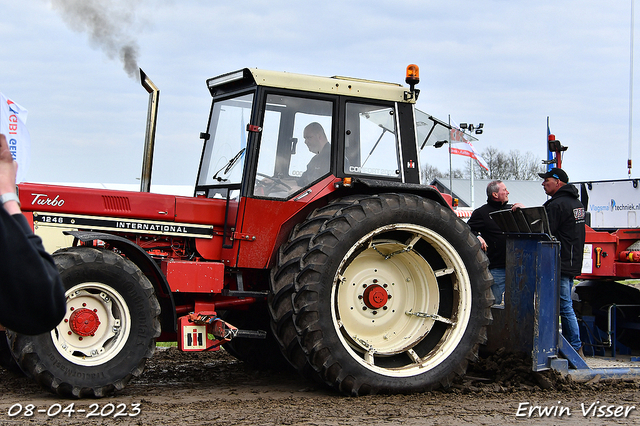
(6, 357)
(107, 334)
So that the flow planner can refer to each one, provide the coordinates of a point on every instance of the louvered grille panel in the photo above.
(112, 203)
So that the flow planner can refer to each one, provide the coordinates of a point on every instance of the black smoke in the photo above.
(110, 25)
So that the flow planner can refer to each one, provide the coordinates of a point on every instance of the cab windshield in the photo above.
(224, 154)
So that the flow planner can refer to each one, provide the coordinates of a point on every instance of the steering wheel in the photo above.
(275, 183)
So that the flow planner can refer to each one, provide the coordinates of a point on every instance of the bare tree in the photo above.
(533, 166)
(429, 173)
(504, 166)
(458, 174)
(509, 166)
(497, 163)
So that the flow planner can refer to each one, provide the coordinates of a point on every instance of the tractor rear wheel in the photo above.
(392, 294)
(280, 301)
(107, 334)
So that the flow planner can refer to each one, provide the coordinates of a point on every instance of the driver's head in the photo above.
(314, 137)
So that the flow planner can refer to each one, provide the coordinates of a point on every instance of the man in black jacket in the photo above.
(492, 239)
(567, 225)
(32, 299)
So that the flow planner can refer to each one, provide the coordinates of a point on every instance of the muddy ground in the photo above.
(216, 389)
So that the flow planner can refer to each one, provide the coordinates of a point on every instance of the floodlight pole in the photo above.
(631, 92)
(473, 202)
(477, 129)
(450, 168)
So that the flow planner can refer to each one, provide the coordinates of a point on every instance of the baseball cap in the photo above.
(555, 173)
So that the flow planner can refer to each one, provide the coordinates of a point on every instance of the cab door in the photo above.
(282, 185)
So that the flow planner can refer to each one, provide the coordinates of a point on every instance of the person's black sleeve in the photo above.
(32, 299)
(554, 216)
(476, 223)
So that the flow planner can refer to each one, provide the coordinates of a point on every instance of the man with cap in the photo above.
(567, 224)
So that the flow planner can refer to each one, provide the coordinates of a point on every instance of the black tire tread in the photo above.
(26, 353)
(282, 282)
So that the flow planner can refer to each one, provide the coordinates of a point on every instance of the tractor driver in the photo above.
(316, 140)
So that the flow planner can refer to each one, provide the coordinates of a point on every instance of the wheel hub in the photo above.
(375, 296)
(84, 322)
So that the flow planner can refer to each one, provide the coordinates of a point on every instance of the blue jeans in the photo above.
(569, 321)
(499, 279)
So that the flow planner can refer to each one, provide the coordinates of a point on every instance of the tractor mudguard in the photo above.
(374, 186)
(146, 264)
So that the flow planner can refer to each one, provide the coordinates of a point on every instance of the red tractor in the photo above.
(609, 294)
(329, 254)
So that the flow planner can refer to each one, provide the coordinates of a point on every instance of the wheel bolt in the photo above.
(80, 338)
(375, 312)
(385, 285)
(71, 308)
(384, 308)
(375, 281)
(84, 304)
(364, 286)
(364, 308)
(360, 297)
(69, 333)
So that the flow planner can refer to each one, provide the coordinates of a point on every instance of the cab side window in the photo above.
(371, 143)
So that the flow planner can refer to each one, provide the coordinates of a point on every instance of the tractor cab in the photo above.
(274, 135)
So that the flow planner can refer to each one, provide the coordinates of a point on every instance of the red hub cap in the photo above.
(375, 297)
(84, 322)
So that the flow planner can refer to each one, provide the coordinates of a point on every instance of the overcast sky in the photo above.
(508, 64)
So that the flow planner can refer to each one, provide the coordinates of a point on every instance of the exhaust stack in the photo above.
(150, 135)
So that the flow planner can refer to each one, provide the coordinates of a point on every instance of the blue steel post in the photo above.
(546, 304)
(528, 323)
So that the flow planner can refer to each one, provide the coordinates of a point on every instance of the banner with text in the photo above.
(13, 119)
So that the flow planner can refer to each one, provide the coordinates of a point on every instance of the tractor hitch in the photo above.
(205, 331)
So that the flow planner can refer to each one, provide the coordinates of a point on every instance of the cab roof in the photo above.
(332, 85)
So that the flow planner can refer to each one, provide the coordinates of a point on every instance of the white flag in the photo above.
(13, 119)
(465, 148)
